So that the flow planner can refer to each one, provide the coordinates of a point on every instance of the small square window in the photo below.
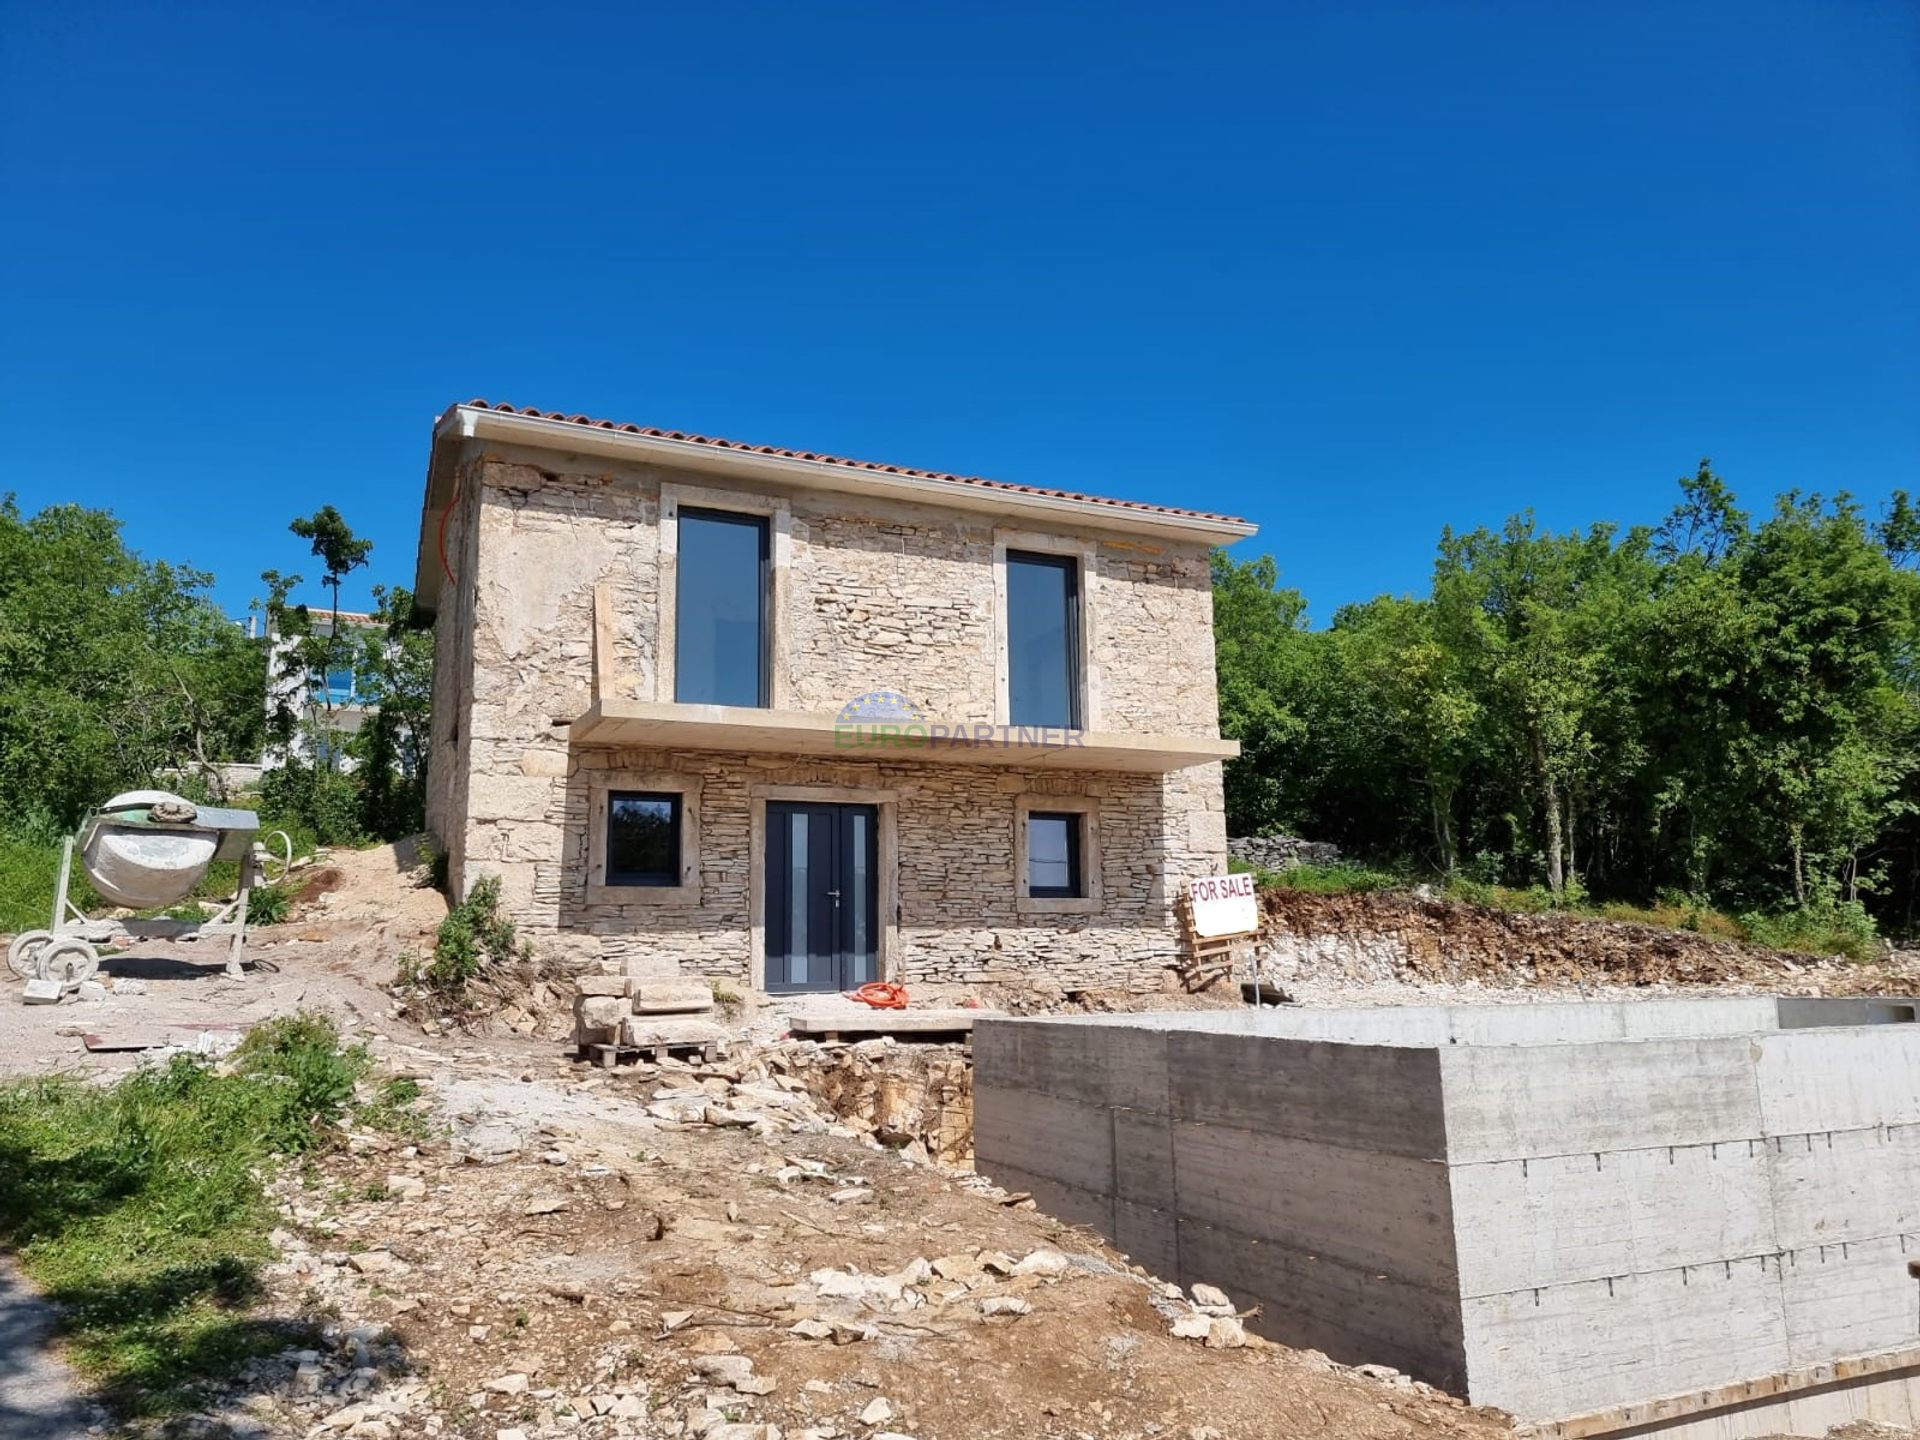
(1053, 856)
(643, 838)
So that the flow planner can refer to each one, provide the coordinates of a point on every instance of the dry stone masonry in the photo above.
(1282, 852)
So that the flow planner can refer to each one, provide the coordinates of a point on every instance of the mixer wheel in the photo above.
(69, 960)
(23, 955)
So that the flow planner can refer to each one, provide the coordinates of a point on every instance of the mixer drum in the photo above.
(143, 867)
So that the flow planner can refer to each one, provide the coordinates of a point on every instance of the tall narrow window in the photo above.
(1043, 639)
(1053, 856)
(643, 838)
(720, 609)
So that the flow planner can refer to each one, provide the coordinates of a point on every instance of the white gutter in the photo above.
(469, 423)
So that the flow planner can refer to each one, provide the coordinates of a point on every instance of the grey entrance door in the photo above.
(823, 930)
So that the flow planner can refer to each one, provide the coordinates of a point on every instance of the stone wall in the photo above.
(1282, 852)
(956, 917)
(869, 595)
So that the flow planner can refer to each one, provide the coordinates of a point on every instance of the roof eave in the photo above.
(462, 423)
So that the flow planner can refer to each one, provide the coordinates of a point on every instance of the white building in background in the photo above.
(331, 707)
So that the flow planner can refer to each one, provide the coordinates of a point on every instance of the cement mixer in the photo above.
(145, 850)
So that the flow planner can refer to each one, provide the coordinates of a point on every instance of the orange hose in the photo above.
(881, 995)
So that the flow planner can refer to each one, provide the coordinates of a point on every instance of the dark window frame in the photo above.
(1069, 565)
(1075, 888)
(763, 524)
(677, 817)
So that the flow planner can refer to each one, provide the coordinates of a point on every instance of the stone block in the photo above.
(508, 797)
(603, 984)
(599, 1012)
(651, 967)
(671, 997)
(670, 1030)
(544, 762)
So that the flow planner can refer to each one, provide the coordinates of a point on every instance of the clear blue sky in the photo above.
(1352, 270)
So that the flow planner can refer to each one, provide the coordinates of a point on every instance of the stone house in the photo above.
(800, 722)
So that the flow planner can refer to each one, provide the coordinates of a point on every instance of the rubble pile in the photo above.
(1400, 936)
(915, 1096)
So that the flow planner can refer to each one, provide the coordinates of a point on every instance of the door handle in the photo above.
(835, 894)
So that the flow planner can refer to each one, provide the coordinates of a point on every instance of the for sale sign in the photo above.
(1223, 905)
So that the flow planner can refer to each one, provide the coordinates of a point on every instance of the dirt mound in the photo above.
(389, 887)
(1405, 936)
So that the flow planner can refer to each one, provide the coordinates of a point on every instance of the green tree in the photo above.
(1533, 616)
(115, 671)
(394, 674)
(1259, 646)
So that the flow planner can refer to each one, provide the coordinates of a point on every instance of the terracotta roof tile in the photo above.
(627, 429)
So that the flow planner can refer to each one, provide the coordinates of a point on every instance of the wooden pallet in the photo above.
(607, 1056)
(1212, 957)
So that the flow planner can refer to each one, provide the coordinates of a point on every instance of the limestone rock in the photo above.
(1043, 1262)
(598, 986)
(728, 1370)
(672, 997)
(598, 1012)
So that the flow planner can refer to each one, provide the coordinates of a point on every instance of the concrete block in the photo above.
(1387, 1214)
(672, 997)
(1848, 1299)
(1517, 1102)
(1148, 1237)
(1115, 1065)
(41, 992)
(1850, 1079)
(1558, 1219)
(1143, 1160)
(1042, 1135)
(1367, 1097)
(1567, 1349)
(1064, 1202)
(1314, 1302)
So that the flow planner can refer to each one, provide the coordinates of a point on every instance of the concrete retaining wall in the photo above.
(1304, 1175)
(1557, 1209)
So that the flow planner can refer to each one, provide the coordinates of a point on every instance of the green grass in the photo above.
(1841, 929)
(140, 1208)
(29, 870)
(1337, 879)
(393, 1110)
